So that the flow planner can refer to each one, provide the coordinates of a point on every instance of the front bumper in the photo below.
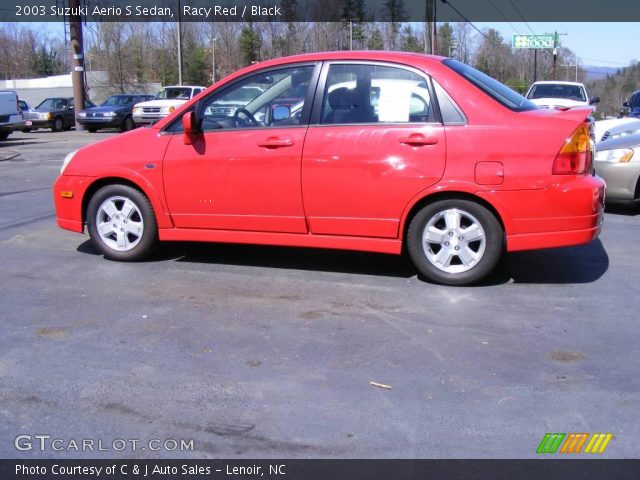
(101, 122)
(621, 178)
(148, 118)
(38, 123)
(69, 210)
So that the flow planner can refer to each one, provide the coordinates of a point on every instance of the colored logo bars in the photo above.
(573, 442)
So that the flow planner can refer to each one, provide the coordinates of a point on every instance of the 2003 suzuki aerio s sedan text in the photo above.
(371, 151)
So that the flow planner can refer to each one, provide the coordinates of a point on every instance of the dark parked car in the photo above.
(114, 112)
(633, 104)
(56, 113)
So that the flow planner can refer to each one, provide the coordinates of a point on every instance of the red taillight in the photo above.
(575, 155)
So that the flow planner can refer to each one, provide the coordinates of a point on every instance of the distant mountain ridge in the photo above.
(593, 72)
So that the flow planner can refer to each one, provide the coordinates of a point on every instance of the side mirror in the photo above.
(188, 126)
(281, 112)
(594, 100)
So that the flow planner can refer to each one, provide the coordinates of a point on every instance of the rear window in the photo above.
(496, 90)
(558, 90)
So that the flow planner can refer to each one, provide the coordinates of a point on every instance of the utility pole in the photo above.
(179, 48)
(555, 53)
(77, 60)
(430, 28)
(213, 59)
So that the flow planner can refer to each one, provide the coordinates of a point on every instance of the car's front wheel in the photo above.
(121, 223)
(128, 124)
(58, 125)
(455, 241)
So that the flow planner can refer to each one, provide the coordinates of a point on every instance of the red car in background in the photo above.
(387, 150)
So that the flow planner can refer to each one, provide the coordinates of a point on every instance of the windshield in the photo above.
(54, 103)
(552, 90)
(498, 91)
(174, 92)
(118, 101)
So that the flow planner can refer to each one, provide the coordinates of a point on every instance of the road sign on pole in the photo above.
(533, 41)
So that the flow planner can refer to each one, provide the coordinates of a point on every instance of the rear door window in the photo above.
(361, 93)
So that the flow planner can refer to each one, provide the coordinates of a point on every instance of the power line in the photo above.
(448, 2)
(503, 16)
(520, 14)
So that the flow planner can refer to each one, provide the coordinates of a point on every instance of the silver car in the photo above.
(617, 161)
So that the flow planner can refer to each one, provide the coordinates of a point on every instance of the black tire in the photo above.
(26, 130)
(4, 135)
(149, 236)
(57, 125)
(92, 130)
(127, 124)
(486, 251)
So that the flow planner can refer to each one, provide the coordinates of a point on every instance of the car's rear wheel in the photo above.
(4, 135)
(57, 125)
(121, 223)
(92, 130)
(26, 130)
(455, 241)
(128, 124)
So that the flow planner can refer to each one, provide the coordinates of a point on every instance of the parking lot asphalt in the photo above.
(264, 352)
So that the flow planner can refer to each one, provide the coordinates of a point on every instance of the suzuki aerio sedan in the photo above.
(380, 151)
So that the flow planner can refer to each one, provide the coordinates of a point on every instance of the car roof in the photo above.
(558, 82)
(182, 86)
(371, 55)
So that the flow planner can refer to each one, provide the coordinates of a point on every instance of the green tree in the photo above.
(248, 43)
(409, 41)
(446, 41)
(394, 12)
(376, 40)
(46, 62)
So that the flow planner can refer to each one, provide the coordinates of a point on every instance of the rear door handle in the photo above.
(275, 142)
(418, 140)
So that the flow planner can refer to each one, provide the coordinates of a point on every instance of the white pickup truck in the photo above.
(165, 102)
(556, 94)
(10, 113)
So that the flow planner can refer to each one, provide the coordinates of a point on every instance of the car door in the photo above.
(243, 171)
(373, 145)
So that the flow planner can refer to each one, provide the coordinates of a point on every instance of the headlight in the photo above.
(67, 160)
(168, 110)
(45, 116)
(137, 110)
(109, 114)
(618, 155)
(82, 115)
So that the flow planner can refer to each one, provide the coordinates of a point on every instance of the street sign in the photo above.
(533, 41)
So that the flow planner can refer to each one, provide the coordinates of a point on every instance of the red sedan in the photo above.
(384, 150)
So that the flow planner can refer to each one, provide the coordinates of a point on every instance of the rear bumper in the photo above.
(69, 210)
(568, 212)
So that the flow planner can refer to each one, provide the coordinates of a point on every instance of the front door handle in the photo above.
(275, 142)
(418, 140)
